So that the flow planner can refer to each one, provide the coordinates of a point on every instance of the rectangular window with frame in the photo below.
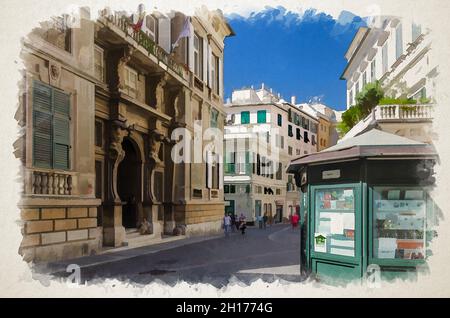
(279, 120)
(416, 31)
(51, 127)
(398, 41)
(372, 70)
(298, 134)
(305, 137)
(99, 132)
(131, 81)
(214, 117)
(230, 162)
(305, 123)
(297, 119)
(245, 117)
(313, 140)
(99, 63)
(215, 76)
(261, 116)
(364, 79)
(198, 56)
(421, 95)
(384, 57)
(98, 179)
(279, 173)
(290, 133)
(151, 27)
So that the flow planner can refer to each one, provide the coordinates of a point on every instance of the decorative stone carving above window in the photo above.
(54, 70)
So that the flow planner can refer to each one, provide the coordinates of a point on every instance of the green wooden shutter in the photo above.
(245, 117)
(42, 125)
(261, 116)
(61, 129)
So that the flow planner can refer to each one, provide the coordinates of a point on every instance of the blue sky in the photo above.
(294, 55)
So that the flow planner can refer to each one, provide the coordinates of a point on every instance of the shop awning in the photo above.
(374, 143)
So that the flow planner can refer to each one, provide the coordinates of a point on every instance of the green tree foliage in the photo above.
(397, 101)
(366, 100)
(349, 119)
(369, 98)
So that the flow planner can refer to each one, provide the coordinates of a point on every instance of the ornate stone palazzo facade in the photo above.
(99, 108)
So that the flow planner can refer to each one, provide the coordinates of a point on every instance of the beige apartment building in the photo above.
(327, 134)
(262, 135)
(100, 103)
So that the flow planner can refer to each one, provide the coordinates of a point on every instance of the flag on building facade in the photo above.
(185, 33)
(138, 25)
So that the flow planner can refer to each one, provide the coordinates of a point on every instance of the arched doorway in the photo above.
(128, 183)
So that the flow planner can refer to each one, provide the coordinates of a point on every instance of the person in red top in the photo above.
(294, 220)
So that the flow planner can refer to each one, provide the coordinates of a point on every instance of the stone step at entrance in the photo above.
(134, 239)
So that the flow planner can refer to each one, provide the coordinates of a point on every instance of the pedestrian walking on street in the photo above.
(259, 218)
(242, 224)
(237, 223)
(233, 223)
(270, 219)
(265, 220)
(294, 220)
(227, 224)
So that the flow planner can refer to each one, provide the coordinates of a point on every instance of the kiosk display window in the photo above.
(335, 221)
(399, 222)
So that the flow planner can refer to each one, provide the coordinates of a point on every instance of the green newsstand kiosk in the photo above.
(366, 202)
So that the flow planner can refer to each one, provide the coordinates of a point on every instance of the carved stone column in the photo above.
(113, 231)
(116, 61)
(157, 87)
(178, 102)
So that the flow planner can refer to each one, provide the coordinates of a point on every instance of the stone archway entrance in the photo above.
(129, 183)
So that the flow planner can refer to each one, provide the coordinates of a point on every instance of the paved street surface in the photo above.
(269, 254)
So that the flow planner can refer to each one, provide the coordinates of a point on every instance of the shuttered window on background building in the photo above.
(261, 116)
(245, 117)
(51, 127)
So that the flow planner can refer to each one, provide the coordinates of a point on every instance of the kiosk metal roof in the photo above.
(374, 143)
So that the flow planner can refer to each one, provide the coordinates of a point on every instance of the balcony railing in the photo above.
(50, 182)
(404, 112)
(124, 23)
(238, 168)
(393, 113)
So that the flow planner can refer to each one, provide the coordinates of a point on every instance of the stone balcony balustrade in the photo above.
(49, 182)
(404, 112)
